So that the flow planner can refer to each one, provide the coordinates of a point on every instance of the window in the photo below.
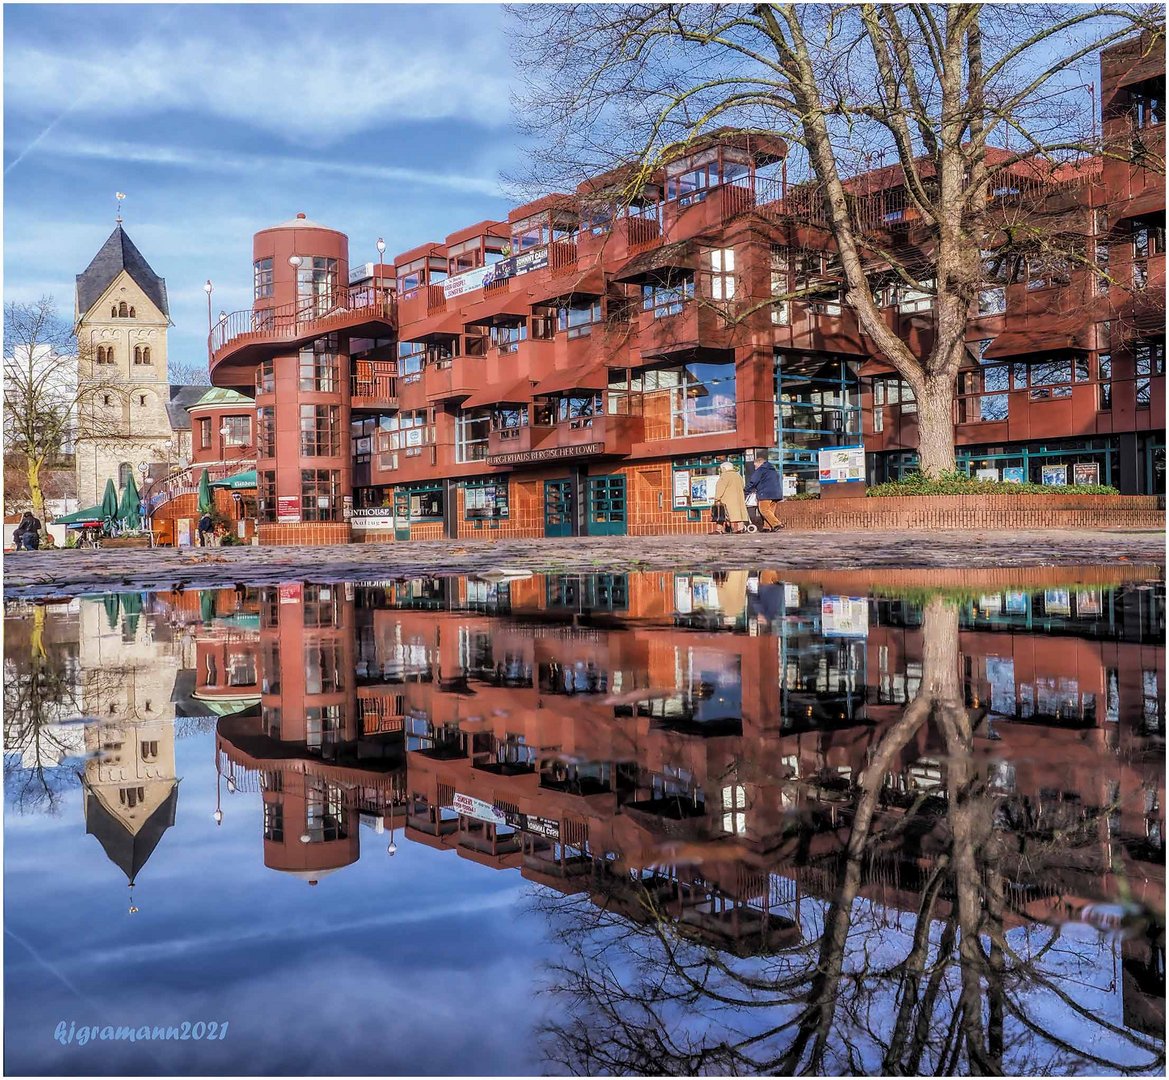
(274, 822)
(131, 796)
(319, 366)
(1148, 236)
(125, 472)
(320, 430)
(426, 503)
(204, 432)
(992, 301)
(1146, 103)
(316, 281)
(262, 278)
(141, 354)
(471, 430)
(688, 180)
(105, 354)
(237, 430)
(508, 418)
(507, 338)
(734, 809)
(666, 295)
(142, 400)
(411, 357)
(1048, 379)
(578, 317)
(1105, 374)
(266, 431)
(1149, 359)
(123, 310)
(266, 378)
(106, 400)
(149, 751)
(722, 274)
(485, 500)
(266, 497)
(320, 494)
(780, 284)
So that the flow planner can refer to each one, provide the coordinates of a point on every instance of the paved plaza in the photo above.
(64, 573)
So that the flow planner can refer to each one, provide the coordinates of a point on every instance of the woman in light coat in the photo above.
(729, 492)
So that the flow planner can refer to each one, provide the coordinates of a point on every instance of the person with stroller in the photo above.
(767, 486)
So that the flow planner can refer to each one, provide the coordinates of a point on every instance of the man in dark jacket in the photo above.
(28, 533)
(206, 529)
(767, 487)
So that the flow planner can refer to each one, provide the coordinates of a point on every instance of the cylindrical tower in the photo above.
(301, 271)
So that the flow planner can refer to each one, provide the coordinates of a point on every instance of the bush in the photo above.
(803, 496)
(958, 483)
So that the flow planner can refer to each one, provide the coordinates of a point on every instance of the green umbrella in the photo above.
(128, 511)
(207, 605)
(132, 608)
(109, 505)
(113, 608)
(206, 499)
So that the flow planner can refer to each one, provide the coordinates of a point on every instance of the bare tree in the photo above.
(958, 102)
(54, 396)
(188, 373)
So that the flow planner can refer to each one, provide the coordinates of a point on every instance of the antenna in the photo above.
(119, 195)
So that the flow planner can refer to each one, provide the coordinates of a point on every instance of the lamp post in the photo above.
(381, 254)
(208, 288)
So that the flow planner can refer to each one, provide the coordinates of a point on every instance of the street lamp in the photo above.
(208, 288)
(381, 252)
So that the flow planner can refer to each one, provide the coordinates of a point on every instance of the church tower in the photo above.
(122, 317)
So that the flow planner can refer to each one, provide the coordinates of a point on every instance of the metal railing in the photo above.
(321, 312)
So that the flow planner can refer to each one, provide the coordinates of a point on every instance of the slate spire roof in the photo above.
(118, 253)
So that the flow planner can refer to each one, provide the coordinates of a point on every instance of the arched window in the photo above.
(137, 354)
(133, 313)
(123, 310)
(146, 354)
(113, 311)
(125, 471)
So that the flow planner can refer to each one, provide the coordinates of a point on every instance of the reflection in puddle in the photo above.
(774, 822)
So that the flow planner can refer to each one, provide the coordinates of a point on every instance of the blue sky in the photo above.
(219, 120)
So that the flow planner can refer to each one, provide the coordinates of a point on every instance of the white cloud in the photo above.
(305, 83)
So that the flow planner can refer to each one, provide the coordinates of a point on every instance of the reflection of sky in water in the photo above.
(413, 964)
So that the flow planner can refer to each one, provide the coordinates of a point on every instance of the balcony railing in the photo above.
(374, 381)
(303, 317)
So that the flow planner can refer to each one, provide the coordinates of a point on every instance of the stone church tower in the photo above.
(122, 318)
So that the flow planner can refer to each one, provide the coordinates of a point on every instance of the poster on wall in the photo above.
(790, 485)
(988, 474)
(183, 532)
(287, 508)
(842, 465)
(702, 490)
(1086, 472)
(1089, 602)
(469, 806)
(1057, 602)
(347, 507)
(1014, 474)
(681, 488)
(1055, 475)
(844, 616)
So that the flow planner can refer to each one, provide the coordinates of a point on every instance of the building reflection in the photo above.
(695, 748)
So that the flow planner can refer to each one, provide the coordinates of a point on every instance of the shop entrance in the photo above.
(401, 515)
(607, 506)
(558, 508)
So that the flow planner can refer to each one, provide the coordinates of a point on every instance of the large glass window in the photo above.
(266, 431)
(578, 316)
(506, 338)
(266, 377)
(722, 274)
(472, 427)
(237, 431)
(818, 405)
(1105, 366)
(666, 294)
(411, 357)
(485, 500)
(1149, 360)
(679, 400)
(984, 396)
(1146, 103)
(426, 501)
(320, 495)
(316, 282)
(320, 430)
(266, 497)
(319, 365)
(262, 278)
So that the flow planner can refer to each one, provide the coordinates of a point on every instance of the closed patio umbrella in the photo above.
(128, 511)
(109, 506)
(113, 606)
(206, 499)
(131, 603)
(207, 605)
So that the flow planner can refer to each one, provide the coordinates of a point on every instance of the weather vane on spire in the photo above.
(119, 195)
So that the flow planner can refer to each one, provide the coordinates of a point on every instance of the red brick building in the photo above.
(584, 369)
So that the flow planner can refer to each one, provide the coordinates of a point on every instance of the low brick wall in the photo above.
(977, 512)
(315, 533)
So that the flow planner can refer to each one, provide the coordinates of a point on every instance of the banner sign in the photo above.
(471, 807)
(287, 508)
(373, 518)
(523, 457)
(842, 464)
(482, 276)
(537, 826)
(844, 616)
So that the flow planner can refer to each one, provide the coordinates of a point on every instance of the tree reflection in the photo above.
(966, 970)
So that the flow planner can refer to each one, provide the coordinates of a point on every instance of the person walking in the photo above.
(28, 533)
(729, 492)
(767, 486)
(206, 529)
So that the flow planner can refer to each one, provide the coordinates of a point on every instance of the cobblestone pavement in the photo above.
(31, 575)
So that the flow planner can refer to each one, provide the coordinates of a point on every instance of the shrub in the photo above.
(803, 496)
(958, 483)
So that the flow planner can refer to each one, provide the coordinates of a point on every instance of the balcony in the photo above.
(242, 339)
(454, 379)
(594, 435)
(507, 442)
(374, 384)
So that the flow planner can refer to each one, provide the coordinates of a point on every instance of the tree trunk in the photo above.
(935, 426)
(34, 489)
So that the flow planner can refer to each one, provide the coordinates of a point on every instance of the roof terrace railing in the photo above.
(300, 318)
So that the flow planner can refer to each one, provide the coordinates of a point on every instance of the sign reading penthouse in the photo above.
(554, 453)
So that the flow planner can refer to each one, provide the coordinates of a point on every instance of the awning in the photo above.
(517, 392)
(676, 256)
(1026, 342)
(1146, 202)
(594, 378)
(240, 480)
(89, 516)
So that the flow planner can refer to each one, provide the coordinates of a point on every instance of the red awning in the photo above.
(1024, 342)
(517, 392)
(594, 378)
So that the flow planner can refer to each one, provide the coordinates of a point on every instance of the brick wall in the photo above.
(977, 512)
(313, 533)
(187, 506)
